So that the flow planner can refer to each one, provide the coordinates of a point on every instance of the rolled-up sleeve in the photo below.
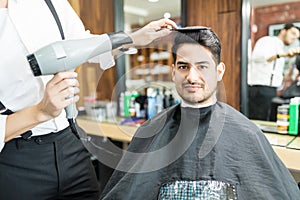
(74, 29)
(105, 60)
(2, 130)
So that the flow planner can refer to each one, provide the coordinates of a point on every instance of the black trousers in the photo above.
(260, 101)
(55, 166)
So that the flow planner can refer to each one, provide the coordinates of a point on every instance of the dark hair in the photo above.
(297, 63)
(289, 26)
(197, 35)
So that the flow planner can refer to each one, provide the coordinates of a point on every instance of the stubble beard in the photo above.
(196, 98)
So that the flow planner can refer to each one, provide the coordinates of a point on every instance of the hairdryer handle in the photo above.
(71, 111)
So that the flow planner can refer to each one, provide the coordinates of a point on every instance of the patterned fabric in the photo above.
(197, 190)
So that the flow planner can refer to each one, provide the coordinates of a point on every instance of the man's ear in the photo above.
(173, 72)
(220, 70)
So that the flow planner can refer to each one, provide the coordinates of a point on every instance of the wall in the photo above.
(98, 17)
(224, 17)
(264, 16)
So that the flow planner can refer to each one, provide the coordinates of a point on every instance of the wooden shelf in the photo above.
(152, 63)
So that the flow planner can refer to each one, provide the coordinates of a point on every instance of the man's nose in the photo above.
(193, 74)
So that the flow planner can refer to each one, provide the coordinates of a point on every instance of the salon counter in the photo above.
(287, 147)
(114, 131)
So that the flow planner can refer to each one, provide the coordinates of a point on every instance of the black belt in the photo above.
(37, 140)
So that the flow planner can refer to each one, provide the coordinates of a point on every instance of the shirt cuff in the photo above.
(106, 60)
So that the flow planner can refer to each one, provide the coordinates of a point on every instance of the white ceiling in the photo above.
(256, 3)
(142, 11)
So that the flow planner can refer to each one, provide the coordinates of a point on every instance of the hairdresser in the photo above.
(265, 74)
(40, 157)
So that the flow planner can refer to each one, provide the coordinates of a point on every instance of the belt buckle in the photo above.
(27, 135)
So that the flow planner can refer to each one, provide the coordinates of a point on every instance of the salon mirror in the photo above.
(267, 17)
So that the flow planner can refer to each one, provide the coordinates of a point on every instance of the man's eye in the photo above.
(201, 67)
(182, 67)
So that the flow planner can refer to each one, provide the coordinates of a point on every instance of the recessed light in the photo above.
(153, 1)
(167, 15)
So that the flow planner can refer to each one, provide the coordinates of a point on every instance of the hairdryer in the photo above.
(68, 54)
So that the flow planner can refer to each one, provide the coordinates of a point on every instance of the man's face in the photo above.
(196, 75)
(291, 35)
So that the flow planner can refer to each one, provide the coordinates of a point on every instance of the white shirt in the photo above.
(18, 87)
(260, 71)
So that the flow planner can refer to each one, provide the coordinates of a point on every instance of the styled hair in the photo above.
(289, 26)
(197, 35)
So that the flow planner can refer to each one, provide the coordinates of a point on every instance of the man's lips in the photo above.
(193, 87)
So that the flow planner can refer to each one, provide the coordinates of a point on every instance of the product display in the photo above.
(294, 116)
(282, 119)
(144, 105)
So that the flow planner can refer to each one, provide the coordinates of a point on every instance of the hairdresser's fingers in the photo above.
(62, 75)
(152, 31)
(55, 92)
(69, 93)
(162, 24)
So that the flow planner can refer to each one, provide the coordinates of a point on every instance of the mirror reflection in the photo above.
(148, 72)
(273, 68)
(150, 64)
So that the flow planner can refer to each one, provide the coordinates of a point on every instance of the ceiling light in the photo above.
(167, 15)
(153, 1)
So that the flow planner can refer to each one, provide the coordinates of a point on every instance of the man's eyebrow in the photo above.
(197, 63)
(181, 63)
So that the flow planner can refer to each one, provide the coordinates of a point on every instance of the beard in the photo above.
(201, 96)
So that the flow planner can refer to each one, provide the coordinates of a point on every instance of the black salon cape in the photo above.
(212, 143)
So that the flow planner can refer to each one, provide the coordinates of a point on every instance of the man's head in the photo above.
(196, 65)
(289, 33)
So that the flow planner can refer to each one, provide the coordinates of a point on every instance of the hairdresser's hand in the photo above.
(152, 31)
(60, 92)
(293, 51)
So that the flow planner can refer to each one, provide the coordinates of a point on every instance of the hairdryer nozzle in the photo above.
(34, 65)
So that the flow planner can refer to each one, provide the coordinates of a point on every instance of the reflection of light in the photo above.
(254, 28)
(167, 15)
(153, 1)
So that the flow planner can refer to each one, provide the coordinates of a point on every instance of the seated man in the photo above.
(294, 89)
(201, 148)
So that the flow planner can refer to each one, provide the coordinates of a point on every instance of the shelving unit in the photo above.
(152, 63)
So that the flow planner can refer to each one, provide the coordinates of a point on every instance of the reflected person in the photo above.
(265, 72)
